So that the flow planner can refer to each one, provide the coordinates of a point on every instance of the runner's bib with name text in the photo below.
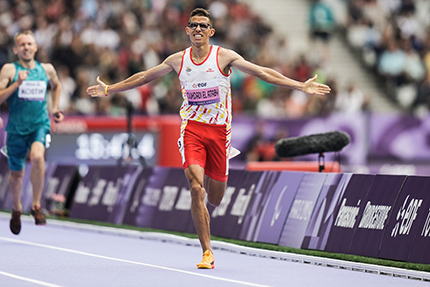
(32, 91)
(202, 93)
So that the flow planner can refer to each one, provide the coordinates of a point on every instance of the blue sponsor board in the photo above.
(346, 213)
(323, 215)
(301, 210)
(277, 205)
(407, 222)
(373, 217)
(102, 193)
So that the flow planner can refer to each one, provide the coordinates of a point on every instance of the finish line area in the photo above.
(73, 254)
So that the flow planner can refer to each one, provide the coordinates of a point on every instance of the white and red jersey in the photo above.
(205, 89)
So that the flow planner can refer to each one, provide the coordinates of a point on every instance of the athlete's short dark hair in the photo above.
(201, 12)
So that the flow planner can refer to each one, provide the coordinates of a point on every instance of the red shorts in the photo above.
(205, 145)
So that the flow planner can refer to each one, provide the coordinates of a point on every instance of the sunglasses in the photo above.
(194, 25)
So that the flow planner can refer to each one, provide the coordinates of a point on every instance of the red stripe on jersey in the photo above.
(182, 63)
(217, 63)
(191, 57)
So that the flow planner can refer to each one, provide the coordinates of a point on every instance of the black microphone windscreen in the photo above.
(317, 143)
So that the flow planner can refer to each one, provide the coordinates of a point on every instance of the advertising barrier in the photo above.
(279, 199)
(375, 210)
(301, 210)
(382, 216)
(59, 185)
(168, 192)
(160, 199)
(102, 194)
(421, 246)
(240, 207)
(407, 223)
(346, 213)
(324, 215)
(26, 192)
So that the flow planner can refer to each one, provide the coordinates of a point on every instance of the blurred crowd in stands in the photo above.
(392, 38)
(116, 38)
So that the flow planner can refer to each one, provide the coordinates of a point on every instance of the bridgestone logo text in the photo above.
(374, 216)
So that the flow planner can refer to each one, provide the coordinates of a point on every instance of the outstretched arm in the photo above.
(231, 58)
(138, 79)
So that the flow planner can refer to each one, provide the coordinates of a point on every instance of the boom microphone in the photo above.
(317, 143)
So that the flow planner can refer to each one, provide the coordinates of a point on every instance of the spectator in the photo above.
(322, 25)
(82, 103)
(421, 104)
(68, 86)
(391, 64)
(351, 100)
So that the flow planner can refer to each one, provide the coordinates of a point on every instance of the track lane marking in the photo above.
(29, 279)
(130, 262)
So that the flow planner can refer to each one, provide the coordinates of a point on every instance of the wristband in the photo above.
(106, 88)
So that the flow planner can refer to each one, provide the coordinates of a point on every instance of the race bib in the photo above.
(203, 93)
(32, 91)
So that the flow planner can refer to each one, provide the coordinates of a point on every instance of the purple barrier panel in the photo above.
(242, 192)
(161, 199)
(58, 191)
(346, 212)
(141, 207)
(278, 203)
(257, 204)
(373, 216)
(301, 210)
(57, 181)
(407, 219)
(27, 188)
(323, 215)
(103, 192)
(4, 184)
(173, 211)
(26, 191)
(421, 247)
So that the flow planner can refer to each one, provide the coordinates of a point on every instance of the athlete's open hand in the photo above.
(313, 88)
(97, 90)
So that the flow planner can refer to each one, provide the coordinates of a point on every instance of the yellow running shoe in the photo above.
(208, 261)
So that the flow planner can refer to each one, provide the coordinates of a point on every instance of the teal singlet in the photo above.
(27, 105)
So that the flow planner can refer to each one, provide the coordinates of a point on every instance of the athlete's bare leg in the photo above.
(15, 185)
(37, 176)
(199, 211)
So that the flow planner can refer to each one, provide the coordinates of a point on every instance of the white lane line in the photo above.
(132, 262)
(29, 280)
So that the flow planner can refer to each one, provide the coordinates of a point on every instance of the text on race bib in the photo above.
(32, 91)
(203, 93)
